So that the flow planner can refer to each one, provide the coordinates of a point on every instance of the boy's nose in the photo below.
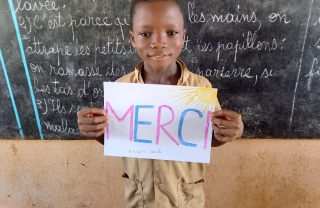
(159, 41)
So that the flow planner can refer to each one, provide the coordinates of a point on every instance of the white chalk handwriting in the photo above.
(251, 42)
(39, 48)
(87, 47)
(36, 68)
(54, 87)
(36, 5)
(237, 17)
(240, 73)
(114, 46)
(49, 105)
(276, 17)
(61, 127)
(97, 22)
(314, 72)
(82, 72)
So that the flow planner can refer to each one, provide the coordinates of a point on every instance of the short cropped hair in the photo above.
(135, 3)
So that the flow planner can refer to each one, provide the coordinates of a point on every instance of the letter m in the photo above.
(129, 111)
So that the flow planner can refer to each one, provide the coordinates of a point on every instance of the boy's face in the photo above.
(158, 33)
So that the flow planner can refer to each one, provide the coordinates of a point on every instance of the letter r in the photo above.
(159, 125)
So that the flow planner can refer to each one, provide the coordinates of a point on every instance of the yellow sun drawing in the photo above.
(198, 97)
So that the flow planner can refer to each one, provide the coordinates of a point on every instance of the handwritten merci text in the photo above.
(133, 115)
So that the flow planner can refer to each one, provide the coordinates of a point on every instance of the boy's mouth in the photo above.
(159, 56)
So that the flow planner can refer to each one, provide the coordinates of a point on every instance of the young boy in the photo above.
(157, 33)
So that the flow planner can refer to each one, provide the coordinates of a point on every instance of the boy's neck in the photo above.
(170, 76)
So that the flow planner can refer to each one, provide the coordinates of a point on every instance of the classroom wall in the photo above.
(246, 173)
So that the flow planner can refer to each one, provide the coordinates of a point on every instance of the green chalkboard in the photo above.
(263, 56)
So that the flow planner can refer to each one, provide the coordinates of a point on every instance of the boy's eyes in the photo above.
(171, 33)
(146, 34)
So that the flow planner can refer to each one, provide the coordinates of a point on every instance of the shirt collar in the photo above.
(181, 64)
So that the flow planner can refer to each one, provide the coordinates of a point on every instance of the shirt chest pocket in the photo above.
(191, 195)
(133, 192)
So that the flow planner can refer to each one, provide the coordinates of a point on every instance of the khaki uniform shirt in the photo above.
(162, 183)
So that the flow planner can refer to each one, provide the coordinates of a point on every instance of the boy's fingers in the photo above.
(93, 133)
(218, 137)
(224, 123)
(222, 138)
(221, 130)
(225, 133)
(227, 114)
(93, 120)
(88, 112)
(221, 122)
(93, 130)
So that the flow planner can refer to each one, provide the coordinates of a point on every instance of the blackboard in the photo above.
(263, 56)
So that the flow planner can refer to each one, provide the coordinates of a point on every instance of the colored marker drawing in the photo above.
(197, 97)
(159, 121)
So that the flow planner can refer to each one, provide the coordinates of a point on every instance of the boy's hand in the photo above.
(227, 125)
(92, 121)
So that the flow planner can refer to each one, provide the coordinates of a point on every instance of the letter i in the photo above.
(206, 133)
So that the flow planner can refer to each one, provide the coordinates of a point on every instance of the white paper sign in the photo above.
(164, 122)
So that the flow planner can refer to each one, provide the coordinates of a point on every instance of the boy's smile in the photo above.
(158, 35)
(159, 56)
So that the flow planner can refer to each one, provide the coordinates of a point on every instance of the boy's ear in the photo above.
(132, 39)
(184, 34)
